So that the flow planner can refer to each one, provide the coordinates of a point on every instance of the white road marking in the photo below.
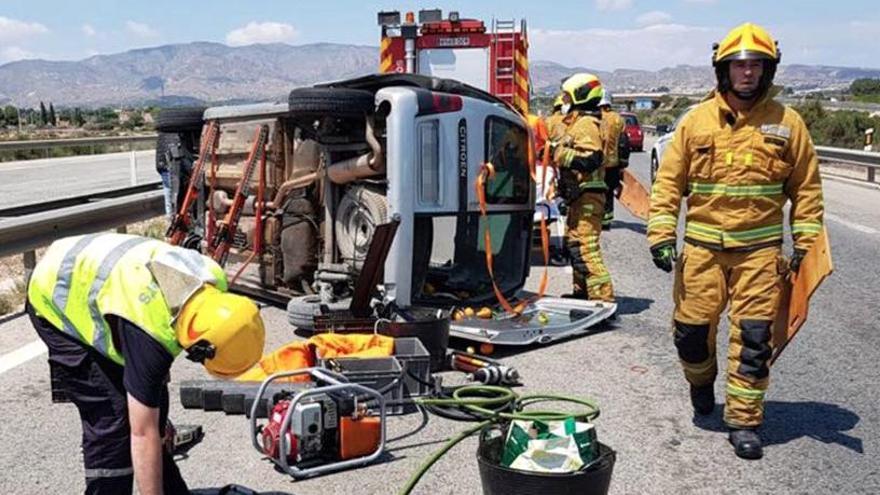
(21, 355)
(855, 226)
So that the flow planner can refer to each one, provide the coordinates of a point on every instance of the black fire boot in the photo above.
(703, 399)
(746, 443)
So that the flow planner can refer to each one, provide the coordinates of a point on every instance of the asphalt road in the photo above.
(34, 181)
(821, 432)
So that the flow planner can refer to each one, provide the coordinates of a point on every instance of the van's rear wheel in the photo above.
(182, 119)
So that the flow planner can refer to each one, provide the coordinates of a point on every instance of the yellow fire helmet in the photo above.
(584, 89)
(222, 331)
(746, 42)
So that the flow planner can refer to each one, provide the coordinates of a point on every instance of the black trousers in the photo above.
(612, 181)
(93, 384)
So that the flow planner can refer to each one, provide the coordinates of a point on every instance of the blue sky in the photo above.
(600, 34)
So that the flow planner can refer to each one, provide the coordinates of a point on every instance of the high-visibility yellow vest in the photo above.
(82, 279)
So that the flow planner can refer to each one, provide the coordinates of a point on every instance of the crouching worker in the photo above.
(114, 311)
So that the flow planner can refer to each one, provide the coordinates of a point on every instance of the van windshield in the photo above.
(456, 269)
(507, 149)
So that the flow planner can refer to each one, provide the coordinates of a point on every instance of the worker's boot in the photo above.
(607, 219)
(703, 399)
(746, 443)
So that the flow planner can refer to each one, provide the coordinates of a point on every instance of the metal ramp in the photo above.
(546, 320)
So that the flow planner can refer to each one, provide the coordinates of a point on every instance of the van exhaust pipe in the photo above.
(359, 167)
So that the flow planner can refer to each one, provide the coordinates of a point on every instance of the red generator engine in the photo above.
(321, 429)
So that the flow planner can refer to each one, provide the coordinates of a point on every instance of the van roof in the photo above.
(225, 112)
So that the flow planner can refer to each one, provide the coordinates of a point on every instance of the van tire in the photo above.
(301, 311)
(180, 119)
(360, 211)
(340, 102)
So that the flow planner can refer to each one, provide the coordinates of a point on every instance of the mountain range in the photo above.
(213, 72)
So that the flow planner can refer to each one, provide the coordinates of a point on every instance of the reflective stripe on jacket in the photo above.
(577, 135)
(82, 279)
(738, 172)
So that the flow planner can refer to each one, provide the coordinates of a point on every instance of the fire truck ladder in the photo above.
(505, 52)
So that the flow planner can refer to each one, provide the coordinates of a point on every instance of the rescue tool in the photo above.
(321, 429)
(225, 236)
(181, 224)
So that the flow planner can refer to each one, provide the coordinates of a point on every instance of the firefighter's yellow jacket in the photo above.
(577, 135)
(611, 128)
(737, 172)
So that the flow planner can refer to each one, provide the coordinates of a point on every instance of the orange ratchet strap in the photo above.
(487, 171)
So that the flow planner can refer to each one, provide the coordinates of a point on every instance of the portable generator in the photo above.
(318, 430)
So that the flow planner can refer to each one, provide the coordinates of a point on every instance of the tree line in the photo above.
(90, 119)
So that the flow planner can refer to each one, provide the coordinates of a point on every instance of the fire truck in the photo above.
(465, 50)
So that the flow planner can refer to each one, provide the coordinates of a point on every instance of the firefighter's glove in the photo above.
(664, 256)
(586, 164)
(796, 257)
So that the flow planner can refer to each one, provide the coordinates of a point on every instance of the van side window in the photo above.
(429, 162)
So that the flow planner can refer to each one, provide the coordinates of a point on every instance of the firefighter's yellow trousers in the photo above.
(706, 281)
(584, 223)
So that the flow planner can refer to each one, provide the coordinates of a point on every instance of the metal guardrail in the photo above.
(25, 233)
(57, 204)
(57, 143)
(868, 160)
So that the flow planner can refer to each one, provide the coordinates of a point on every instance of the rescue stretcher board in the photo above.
(633, 195)
(797, 290)
(543, 321)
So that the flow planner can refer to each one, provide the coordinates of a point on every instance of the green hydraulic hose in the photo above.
(475, 398)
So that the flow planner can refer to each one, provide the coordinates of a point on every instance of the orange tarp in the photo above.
(303, 353)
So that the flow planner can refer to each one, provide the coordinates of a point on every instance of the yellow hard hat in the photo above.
(584, 89)
(746, 42)
(557, 102)
(222, 331)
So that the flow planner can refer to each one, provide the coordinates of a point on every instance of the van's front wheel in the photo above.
(336, 102)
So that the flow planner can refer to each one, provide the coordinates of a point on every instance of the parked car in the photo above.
(633, 131)
(666, 133)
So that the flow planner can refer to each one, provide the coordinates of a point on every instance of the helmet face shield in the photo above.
(746, 55)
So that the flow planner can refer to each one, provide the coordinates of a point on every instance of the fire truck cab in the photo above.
(495, 60)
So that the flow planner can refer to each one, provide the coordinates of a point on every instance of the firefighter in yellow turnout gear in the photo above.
(577, 151)
(738, 156)
(615, 148)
